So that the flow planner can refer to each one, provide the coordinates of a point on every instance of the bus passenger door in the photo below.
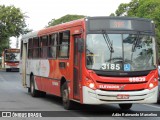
(77, 70)
(23, 63)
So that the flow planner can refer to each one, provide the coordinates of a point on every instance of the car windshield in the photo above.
(120, 52)
(12, 56)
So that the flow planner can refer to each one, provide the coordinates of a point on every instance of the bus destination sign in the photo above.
(120, 24)
(12, 50)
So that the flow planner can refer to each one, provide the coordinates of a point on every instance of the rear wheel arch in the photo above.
(67, 103)
(63, 81)
(33, 91)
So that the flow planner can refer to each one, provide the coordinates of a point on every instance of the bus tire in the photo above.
(125, 106)
(34, 92)
(65, 97)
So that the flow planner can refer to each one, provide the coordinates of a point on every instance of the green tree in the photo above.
(12, 24)
(64, 19)
(144, 9)
(112, 15)
(3, 45)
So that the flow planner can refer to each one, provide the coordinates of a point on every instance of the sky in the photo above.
(40, 12)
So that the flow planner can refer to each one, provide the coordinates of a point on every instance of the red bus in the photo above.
(10, 59)
(95, 60)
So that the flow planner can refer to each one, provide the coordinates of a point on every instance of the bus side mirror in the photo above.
(80, 45)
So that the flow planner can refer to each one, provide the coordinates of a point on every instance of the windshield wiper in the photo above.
(136, 42)
(108, 42)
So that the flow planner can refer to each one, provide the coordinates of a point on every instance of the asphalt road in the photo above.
(13, 97)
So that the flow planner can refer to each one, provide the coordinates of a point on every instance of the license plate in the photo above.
(122, 96)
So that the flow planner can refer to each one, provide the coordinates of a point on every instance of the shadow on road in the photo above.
(80, 110)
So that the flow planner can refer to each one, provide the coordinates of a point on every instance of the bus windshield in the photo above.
(130, 52)
(12, 57)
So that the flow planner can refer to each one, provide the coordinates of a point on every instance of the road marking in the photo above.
(152, 106)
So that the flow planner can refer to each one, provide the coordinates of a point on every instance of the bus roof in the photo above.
(51, 29)
(81, 21)
(29, 35)
(78, 22)
(61, 26)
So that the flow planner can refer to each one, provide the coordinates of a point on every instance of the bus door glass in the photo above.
(77, 68)
(24, 58)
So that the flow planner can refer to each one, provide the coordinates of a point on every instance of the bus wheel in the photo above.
(34, 92)
(29, 90)
(125, 106)
(65, 97)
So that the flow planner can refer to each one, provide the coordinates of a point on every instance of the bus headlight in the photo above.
(90, 83)
(153, 83)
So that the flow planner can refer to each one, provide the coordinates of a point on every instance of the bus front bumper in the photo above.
(105, 97)
(12, 67)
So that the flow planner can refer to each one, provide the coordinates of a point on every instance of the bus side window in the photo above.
(64, 43)
(44, 46)
(30, 48)
(52, 47)
(36, 47)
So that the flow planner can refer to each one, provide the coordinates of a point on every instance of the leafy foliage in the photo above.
(142, 8)
(112, 14)
(64, 19)
(3, 45)
(12, 24)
